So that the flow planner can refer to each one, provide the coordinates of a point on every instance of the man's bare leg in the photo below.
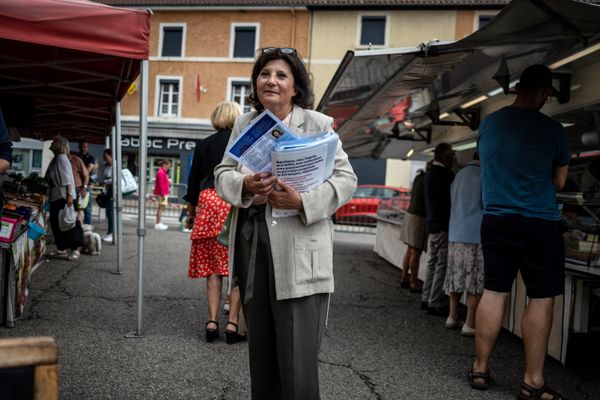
(488, 320)
(537, 322)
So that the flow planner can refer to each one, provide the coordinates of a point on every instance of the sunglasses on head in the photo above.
(277, 50)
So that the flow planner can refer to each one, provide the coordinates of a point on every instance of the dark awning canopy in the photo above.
(376, 96)
(65, 63)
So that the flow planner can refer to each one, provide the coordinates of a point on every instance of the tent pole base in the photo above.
(133, 335)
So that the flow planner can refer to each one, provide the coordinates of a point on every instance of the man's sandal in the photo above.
(527, 392)
(483, 376)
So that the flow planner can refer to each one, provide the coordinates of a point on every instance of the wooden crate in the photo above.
(38, 355)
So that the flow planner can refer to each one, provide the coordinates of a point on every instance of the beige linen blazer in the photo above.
(301, 246)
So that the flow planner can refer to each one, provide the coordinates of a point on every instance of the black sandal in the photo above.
(484, 376)
(232, 337)
(212, 334)
(537, 393)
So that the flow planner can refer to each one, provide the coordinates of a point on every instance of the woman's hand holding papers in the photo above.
(286, 198)
(260, 184)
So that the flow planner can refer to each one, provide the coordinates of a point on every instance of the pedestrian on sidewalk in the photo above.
(414, 229)
(206, 214)
(81, 178)
(284, 266)
(437, 199)
(61, 192)
(524, 160)
(162, 186)
(107, 181)
(90, 164)
(465, 257)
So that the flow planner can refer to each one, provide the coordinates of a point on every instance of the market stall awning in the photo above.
(382, 95)
(65, 63)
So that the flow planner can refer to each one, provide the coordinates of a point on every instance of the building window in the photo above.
(372, 31)
(172, 40)
(245, 39)
(26, 161)
(239, 94)
(36, 160)
(483, 20)
(169, 98)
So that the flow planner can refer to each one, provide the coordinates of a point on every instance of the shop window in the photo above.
(239, 94)
(244, 41)
(131, 162)
(172, 41)
(174, 173)
(168, 98)
(372, 30)
(153, 168)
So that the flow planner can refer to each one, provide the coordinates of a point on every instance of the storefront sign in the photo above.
(160, 143)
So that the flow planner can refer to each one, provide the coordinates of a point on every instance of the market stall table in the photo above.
(22, 250)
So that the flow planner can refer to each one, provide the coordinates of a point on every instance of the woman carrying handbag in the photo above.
(62, 193)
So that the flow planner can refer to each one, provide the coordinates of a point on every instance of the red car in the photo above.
(362, 209)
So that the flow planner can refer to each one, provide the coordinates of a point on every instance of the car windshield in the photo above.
(378, 192)
(389, 193)
(364, 192)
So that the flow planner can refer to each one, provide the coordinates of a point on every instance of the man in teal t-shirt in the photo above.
(524, 160)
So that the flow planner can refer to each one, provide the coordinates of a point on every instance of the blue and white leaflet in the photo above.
(304, 163)
(268, 145)
(253, 146)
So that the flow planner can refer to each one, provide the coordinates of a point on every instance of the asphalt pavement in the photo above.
(378, 343)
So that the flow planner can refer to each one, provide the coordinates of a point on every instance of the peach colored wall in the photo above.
(464, 23)
(208, 32)
(206, 53)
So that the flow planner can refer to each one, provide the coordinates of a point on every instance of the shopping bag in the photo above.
(102, 199)
(73, 238)
(128, 183)
(67, 218)
(83, 201)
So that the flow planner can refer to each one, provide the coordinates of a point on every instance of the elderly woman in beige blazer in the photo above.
(283, 266)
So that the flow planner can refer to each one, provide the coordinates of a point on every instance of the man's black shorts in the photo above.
(533, 246)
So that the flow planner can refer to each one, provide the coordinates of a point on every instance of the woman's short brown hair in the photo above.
(224, 114)
(304, 96)
(60, 145)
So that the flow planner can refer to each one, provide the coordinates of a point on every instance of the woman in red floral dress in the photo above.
(208, 258)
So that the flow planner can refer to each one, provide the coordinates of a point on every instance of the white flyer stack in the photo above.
(268, 145)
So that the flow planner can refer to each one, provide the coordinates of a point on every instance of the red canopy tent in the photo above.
(64, 67)
(64, 64)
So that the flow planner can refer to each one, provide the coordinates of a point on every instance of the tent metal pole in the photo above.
(119, 191)
(141, 231)
(113, 166)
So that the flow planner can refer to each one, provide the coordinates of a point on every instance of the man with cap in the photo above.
(524, 161)
(437, 203)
